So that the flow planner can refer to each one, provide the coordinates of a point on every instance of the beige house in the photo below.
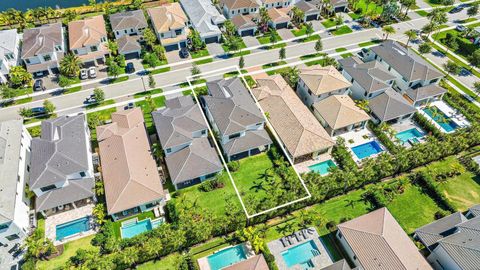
(88, 39)
(279, 17)
(300, 133)
(232, 8)
(339, 114)
(316, 83)
(171, 25)
(129, 172)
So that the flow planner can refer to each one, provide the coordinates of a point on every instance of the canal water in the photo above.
(29, 4)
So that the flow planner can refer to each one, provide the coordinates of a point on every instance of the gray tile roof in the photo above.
(425, 92)
(406, 62)
(306, 7)
(129, 19)
(390, 105)
(340, 265)
(251, 140)
(203, 16)
(371, 76)
(475, 210)
(231, 105)
(8, 42)
(76, 190)
(41, 40)
(10, 144)
(431, 233)
(128, 44)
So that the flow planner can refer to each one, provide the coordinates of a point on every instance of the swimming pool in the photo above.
(226, 257)
(441, 119)
(322, 167)
(367, 149)
(301, 254)
(72, 227)
(409, 135)
(132, 228)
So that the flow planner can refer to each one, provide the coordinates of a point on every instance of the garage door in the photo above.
(248, 33)
(211, 40)
(130, 56)
(311, 17)
(170, 48)
(281, 25)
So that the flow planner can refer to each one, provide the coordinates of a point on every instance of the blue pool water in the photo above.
(367, 149)
(226, 257)
(71, 228)
(301, 254)
(135, 228)
(409, 135)
(448, 125)
(322, 167)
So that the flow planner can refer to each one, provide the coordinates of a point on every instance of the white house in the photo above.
(232, 8)
(88, 40)
(204, 18)
(128, 23)
(9, 52)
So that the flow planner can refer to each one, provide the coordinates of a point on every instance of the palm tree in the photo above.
(70, 65)
(476, 86)
(112, 47)
(411, 34)
(388, 29)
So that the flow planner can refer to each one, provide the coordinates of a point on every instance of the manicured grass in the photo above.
(233, 73)
(159, 70)
(102, 115)
(119, 79)
(158, 63)
(413, 208)
(148, 93)
(329, 23)
(468, 20)
(70, 249)
(22, 101)
(118, 224)
(104, 103)
(465, 48)
(166, 263)
(310, 38)
(309, 56)
(355, 16)
(23, 91)
(342, 30)
(204, 61)
(71, 90)
(368, 43)
(200, 53)
(340, 49)
(422, 13)
(265, 39)
(346, 55)
(227, 49)
(361, 5)
(274, 64)
(149, 124)
(198, 81)
(463, 191)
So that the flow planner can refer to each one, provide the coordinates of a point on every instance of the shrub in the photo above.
(384, 139)
(441, 213)
(331, 226)
(233, 166)
(425, 180)
(427, 125)
(210, 185)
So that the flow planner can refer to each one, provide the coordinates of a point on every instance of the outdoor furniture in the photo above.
(284, 243)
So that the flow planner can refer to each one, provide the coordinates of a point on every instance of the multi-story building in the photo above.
(128, 23)
(88, 40)
(9, 52)
(171, 25)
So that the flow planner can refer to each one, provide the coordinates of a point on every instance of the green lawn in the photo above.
(328, 23)
(148, 93)
(341, 49)
(463, 191)
(467, 20)
(465, 46)
(422, 13)
(265, 39)
(274, 64)
(23, 91)
(159, 70)
(204, 61)
(166, 263)
(346, 55)
(227, 49)
(300, 32)
(368, 43)
(102, 115)
(159, 102)
(310, 38)
(233, 73)
(200, 53)
(362, 6)
(342, 30)
(198, 81)
(104, 103)
(119, 79)
(70, 248)
(158, 63)
(71, 90)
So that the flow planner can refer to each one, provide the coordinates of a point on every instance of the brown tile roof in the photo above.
(296, 126)
(129, 172)
(340, 111)
(41, 40)
(168, 17)
(130, 19)
(86, 32)
(279, 15)
(379, 243)
(322, 80)
(128, 44)
(236, 4)
(243, 21)
(256, 262)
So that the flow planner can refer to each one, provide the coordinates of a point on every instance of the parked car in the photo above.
(38, 111)
(92, 72)
(456, 10)
(461, 28)
(90, 99)
(184, 52)
(38, 85)
(129, 106)
(129, 68)
(83, 74)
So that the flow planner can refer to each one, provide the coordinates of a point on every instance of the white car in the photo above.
(92, 72)
(83, 74)
(461, 28)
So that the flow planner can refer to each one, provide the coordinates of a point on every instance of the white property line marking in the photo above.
(241, 75)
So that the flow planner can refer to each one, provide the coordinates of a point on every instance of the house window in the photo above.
(93, 48)
(351, 80)
(178, 31)
(310, 92)
(340, 235)
(47, 188)
(161, 35)
(169, 150)
(125, 31)
(3, 226)
(9, 56)
(354, 257)
(75, 51)
(58, 48)
(204, 132)
(27, 61)
(28, 168)
(47, 57)
(83, 174)
(234, 136)
(233, 11)
(131, 30)
(12, 237)
(118, 33)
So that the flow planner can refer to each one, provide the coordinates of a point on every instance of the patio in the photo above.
(356, 138)
(450, 113)
(320, 259)
(246, 247)
(405, 125)
(302, 167)
(52, 221)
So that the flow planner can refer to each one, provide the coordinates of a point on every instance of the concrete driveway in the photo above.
(174, 57)
(285, 33)
(317, 25)
(215, 49)
(250, 41)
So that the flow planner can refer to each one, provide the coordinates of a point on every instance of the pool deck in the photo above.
(203, 262)
(303, 166)
(51, 223)
(455, 116)
(355, 138)
(323, 260)
(405, 125)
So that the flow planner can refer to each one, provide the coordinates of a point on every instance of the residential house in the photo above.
(190, 155)
(14, 172)
(300, 133)
(279, 18)
(128, 23)
(129, 47)
(88, 40)
(269, 4)
(338, 114)
(310, 10)
(236, 119)
(61, 174)
(129, 171)
(412, 72)
(390, 107)
(232, 8)
(204, 18)
(368, 79)
(339, 5)
(9, 52)
(42, 49)
(316, 83)
(453, 242)
(170, 24)
(245, 25)
(339, 265)
(256, 262)
(376, 241)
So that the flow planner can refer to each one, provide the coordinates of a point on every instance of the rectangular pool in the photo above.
(441, 119)
(367, 149)
(322, 167)
(301, 254)
(132, 228)
(412, 134)
(72, 227)
(226, 257)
